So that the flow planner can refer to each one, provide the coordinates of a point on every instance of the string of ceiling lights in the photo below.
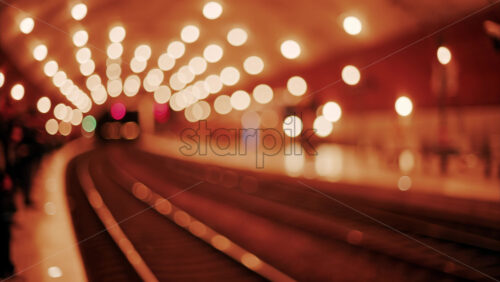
(182, 92)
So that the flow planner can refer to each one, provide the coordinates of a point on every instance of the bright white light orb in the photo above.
(403, 106)
(212, 10)
(297, 86)
(351, 75)
(229, 76)
(222, 104)
(332, 111)
(79, 11)
(253, 65)
(237, 36)
(290, 49)
(292, 126)
(240, 100)
(17, 92)
(352, 25)
(80, 38)
(43, 105)
(176, 49)
(117, 34)
(26, 25)
(190, 33)
(322, 126)
(213, 53)
(40, 52)
(50, 68)
(263, 93)
(444, 55)
(142, 53)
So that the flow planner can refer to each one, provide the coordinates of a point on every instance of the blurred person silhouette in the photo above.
(24, 154)
(7, 207)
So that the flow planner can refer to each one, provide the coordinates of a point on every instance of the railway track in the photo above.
(278, 229)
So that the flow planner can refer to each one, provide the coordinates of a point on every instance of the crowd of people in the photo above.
(22, 146)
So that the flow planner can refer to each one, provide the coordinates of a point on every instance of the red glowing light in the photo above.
(118, 111)
(161, 112)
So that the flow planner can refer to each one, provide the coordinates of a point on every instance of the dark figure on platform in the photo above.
(7, 207)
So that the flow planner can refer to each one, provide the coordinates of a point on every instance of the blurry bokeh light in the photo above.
(176, 49)
(89, 123)
(237, 36)
(352, 25)
(52, 126)
(240, 100)
(40, 52)
(117, 34)
(403, 106)
(43, 105)
(213, 53)
(290, 49)
(444, 55)
(351, 75)
(322, 126)
(26, 25)
(190, 33)
(222, 104)
(263, 93)
(50, 68)
(80, 38)
(17, 92)
(229, 76)
(253, 65)
(297, 86)
(118, 111)
(292, 126)
(212, 10)
(332, 111)
(79, 11)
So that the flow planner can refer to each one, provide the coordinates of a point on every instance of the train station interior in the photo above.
(263, 140)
